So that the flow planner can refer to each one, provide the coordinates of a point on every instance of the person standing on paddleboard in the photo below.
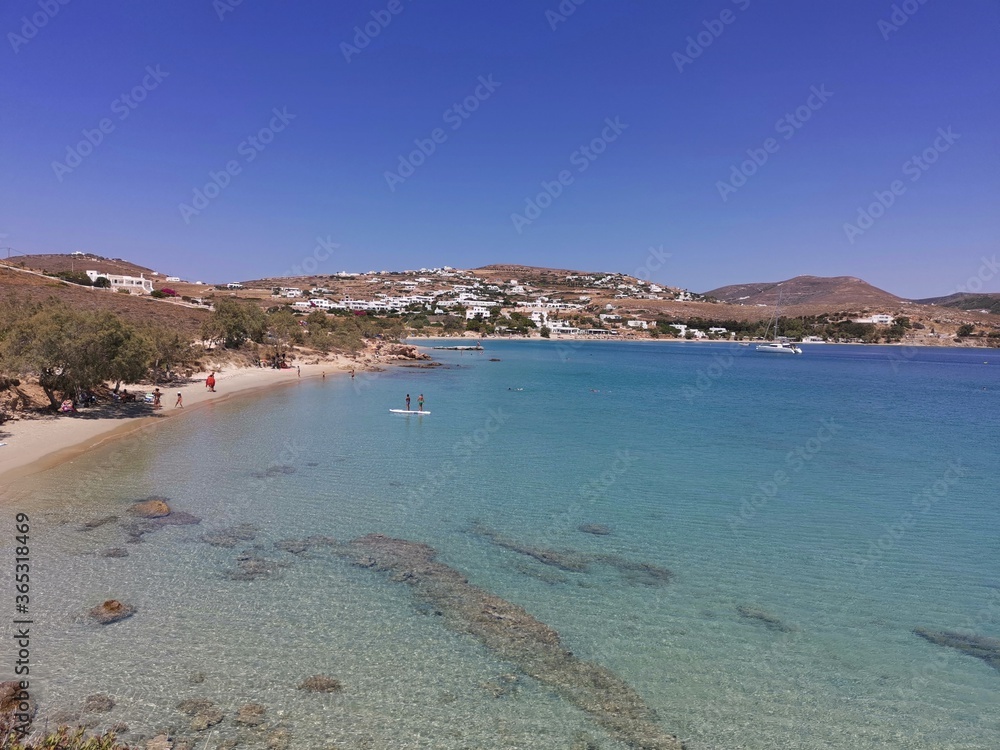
(420, 402)
(407, 401)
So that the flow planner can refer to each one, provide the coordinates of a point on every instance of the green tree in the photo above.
(234, 323)
(965, 330)
(169, 348)
(284, 329)
(71, 351)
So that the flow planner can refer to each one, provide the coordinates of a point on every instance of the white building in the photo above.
(138, 284)
(234, 285)
(642, 324)
(878, 319)
(477, 311)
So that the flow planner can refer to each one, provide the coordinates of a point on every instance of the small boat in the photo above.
(409, 411)
(477, 348)
(779, 345)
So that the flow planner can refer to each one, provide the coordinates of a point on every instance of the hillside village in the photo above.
(512, 300)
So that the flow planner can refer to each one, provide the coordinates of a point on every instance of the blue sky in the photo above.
(864, 97)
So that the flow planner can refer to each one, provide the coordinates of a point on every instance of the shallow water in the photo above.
(769, 486)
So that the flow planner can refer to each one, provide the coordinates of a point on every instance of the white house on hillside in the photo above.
(878, 319)
(137, 284)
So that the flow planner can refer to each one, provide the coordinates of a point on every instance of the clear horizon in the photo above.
(722, 142)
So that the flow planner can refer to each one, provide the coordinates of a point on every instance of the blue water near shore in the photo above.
(844, 497)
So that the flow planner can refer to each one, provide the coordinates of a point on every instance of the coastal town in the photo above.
(518, 300)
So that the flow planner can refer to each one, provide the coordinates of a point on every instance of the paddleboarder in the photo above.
(407, 401)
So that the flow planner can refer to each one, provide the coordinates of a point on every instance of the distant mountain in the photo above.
(990, 302)
(831, 292)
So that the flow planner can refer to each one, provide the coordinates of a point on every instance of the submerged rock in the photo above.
(177, 518)
(772, 622)
(115, 552)
(231, 536)
(193, 706)
(64, 718)
(511, 633)
(597, 529)
(153, 507)
(12, 700)
(96, 523)
(531, 570)
(251, 715)
(279, 739)
(275, 470)
(111, 611)
(250, 566)
(160, 742)
(153, 519)
(99, 703)
(206, 718)
(979, 646)
(196, 678)
(643, 573)
(295, 546)
(570, 561)
(320, 684)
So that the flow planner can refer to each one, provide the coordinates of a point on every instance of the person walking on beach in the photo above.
(407, 401)
(420, 402)
(156, 399)
(298, 371)
(180, 400)
(210, 381)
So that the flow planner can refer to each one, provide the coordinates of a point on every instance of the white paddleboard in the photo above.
(408, 411)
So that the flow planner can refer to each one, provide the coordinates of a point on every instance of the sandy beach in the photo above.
(33, 445)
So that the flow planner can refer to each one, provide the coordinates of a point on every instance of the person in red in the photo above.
(210, 382)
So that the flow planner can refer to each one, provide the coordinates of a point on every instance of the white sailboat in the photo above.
(779, 345)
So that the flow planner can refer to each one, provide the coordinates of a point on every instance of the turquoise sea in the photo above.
(813, 510)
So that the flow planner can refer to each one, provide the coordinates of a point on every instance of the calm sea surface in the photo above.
(814, 510)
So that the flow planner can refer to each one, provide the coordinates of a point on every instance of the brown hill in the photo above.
(982, 302)
(135, 308)
(834, 293)
(57, 262)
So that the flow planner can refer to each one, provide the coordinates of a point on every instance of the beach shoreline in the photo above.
(36, 445)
